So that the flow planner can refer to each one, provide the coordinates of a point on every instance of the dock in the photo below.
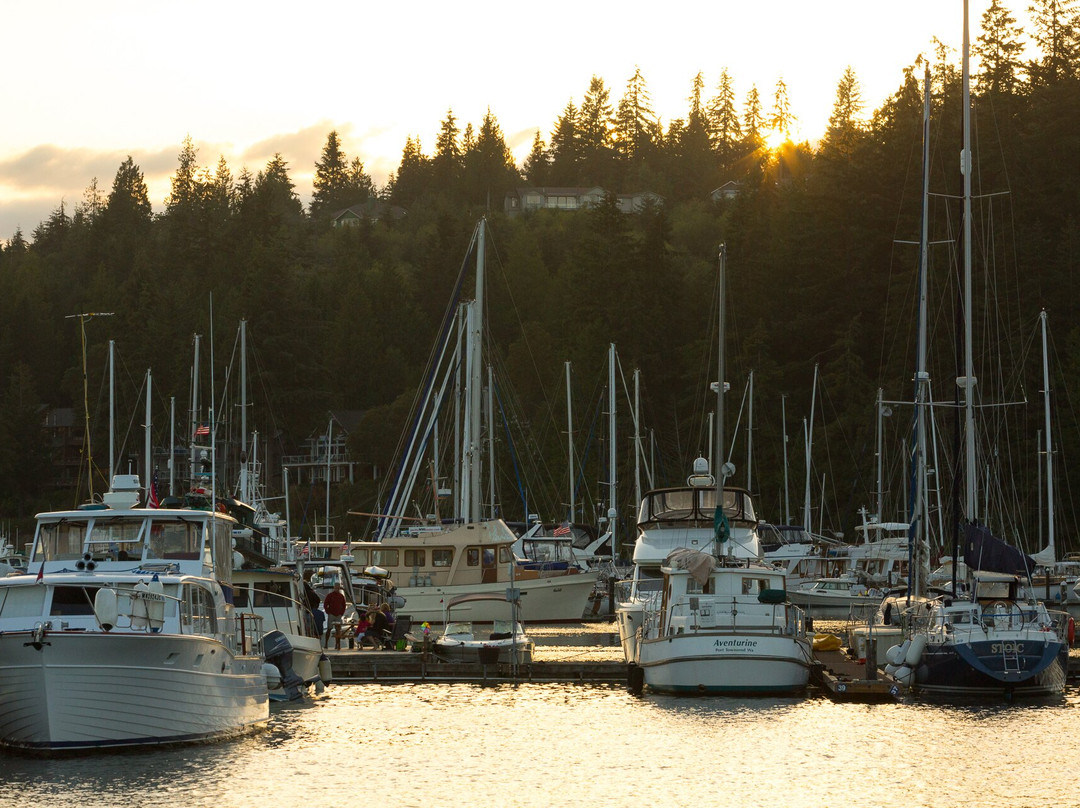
(847, 679)
(406, 666)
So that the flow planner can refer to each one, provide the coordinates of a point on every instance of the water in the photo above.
(551, 745)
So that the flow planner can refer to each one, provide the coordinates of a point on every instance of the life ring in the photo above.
(1071, 633)
(221, 508)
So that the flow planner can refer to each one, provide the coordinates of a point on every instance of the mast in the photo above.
(721, 469)
(491, 443)
(612, 508)
(194, 412)
(968, 381)
(112, 409)
(570, 442)
(808, 427)
(918, 537)
(148, 448)
(750, 436)
(1050, 550)
(783, 420)
(244, 493)
(637, 436)
(476, 333)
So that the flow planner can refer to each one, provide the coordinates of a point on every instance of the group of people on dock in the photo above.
(373, 629)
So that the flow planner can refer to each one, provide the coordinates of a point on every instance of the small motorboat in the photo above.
(488, 641)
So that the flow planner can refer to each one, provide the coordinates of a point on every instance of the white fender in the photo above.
(138, 605)
(273, 676)
(155, 605)
(903, 675)
(325, 672)
(105, 608)
(915, 652)
(896, 653)
(891, 669)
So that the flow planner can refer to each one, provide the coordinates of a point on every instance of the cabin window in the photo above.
(442, 558)
(472, 556)
(240, 596)
(504, 554)
(752, 586)
(272, 593)
(117, 539)
(59, 541)
(197, 613)
(175, 540)
(73, 600)
(22, 601)
(222, 558)
(384, 558)
(415, 558)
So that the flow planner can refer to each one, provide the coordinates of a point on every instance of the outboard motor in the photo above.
(278, 652)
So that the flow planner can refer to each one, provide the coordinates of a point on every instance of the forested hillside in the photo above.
(821, 272)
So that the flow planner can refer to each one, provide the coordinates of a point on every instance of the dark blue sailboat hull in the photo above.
(994, 667)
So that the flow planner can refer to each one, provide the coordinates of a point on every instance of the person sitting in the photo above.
(363, 625)
(380, 626)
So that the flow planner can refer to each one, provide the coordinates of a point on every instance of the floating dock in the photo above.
(846, 679)
(407, 666)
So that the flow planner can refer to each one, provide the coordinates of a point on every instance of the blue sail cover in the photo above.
(984, 551)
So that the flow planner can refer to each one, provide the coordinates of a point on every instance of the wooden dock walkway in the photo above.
(406, 666)
(846, 679)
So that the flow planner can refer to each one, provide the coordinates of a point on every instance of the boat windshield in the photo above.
(694, 504)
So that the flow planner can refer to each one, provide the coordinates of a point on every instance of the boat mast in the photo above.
(783, 420)
(570, 442)
(721, 468)
(1050, 550)
(194, 413)
(808, 426)
(112, 409)
(918, 537)
(750, 436)
(613, 512)
(968, 381)
(245, 494)
(148, 445)
(476, 334)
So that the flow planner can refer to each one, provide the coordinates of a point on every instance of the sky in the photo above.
(88, 84)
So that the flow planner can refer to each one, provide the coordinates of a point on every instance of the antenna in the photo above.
(86, 396)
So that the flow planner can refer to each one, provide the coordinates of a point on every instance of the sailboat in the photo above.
(720, 622)
(432, 560)
(989, 637)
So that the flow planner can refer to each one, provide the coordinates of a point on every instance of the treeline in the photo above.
(819, 275)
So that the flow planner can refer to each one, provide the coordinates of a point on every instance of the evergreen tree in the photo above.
(1054, 24)
(332, 187)
(782, 118)
(538, 163)
(413, 176)
(998, 49)
(594, 134)
(446, 165)
(491, 171)
(752, 122)
(724, 127)
(565, 148)
(844, 123)
(635, 124)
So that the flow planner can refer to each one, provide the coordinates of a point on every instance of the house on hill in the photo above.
(527, 199)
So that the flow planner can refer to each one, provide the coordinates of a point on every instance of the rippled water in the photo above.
(547, 745)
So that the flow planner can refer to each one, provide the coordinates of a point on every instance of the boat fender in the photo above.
(138, 605)
(325, 671)
(635, 680)
(891, 669)
(903, 675)
(915, 651)
(273, 676)
(105, 609)
(896, 653)
(1071, 631)
(155, 604)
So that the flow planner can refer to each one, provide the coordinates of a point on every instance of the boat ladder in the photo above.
(1009, 657)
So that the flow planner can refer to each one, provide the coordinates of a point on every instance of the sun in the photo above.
(775, 138)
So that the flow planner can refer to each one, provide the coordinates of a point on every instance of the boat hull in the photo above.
(80, 691)
(982, 669)
(717, 662)
(544, 600)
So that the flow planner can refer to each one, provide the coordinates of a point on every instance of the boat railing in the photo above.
(283, 613)
(249, 634)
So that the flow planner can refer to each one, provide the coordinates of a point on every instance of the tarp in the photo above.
(984, 551)
(697, 563)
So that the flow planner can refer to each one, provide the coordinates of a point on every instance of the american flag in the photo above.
(152, 500)
(562, 530)
(202, 431)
